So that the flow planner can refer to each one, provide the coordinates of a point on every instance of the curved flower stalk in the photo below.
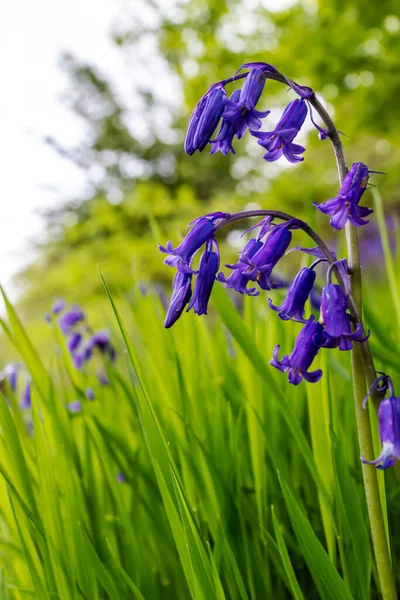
(340, 306)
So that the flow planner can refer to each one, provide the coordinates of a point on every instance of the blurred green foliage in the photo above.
(148, 189)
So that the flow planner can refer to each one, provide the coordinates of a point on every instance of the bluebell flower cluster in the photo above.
(82, 343)
(254, 272)
(238, 114)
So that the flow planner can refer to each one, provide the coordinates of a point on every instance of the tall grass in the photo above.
(238, 485)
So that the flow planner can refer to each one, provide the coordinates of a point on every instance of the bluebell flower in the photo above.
(74, 342)
(208, 268)
(89, 393)
(74, 407)
(202, 231)
(71, 318)
(121, 477)
(334, 316)
(181, 294)
(260, 265)
(103, 378)
(240, 109)
(299, 291)
(57, 307)
(78, 360)
(389, 433)
(26, 403)
(304, 352)
(101, 341)
(204, 119)
(389, 424)
(238, 280)
(345, 206)
(280, 141)
(223, 141)
(10, 372)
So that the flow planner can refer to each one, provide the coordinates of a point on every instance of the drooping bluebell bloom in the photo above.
(334, 316)
(280, 141)
(10, 372)
(25, 403)
(238, 280)
(299, 291)
(304, 352)
(389, 432)
(103, 378)
(240, 110)
(101, 341)
(89, 393)
(204, 119)
(260, 265)
(78, 360)
(71, 318)
(202, 231)
(121, 478)
(181, 294)
(345, 206)
(258, 259)
(74, 341)
(74, 407)
(223, 141)
(389, 424)
(57, 307)
(208, 268)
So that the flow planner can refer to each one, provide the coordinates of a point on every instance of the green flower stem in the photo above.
(360, 373)
(363, 372)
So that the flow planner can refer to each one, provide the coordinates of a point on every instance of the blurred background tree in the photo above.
(141, 187)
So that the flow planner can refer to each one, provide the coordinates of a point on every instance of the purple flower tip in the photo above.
(10, 372)
(208, 268)
(71, 318)
(26, 403)
(102, 378)
(121, 477)
(75, 407)
(58, 306)
(181, 294)
(89, 393)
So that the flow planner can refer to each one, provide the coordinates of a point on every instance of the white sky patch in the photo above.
(34, 35)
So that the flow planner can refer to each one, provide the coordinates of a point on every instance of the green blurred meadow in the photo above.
(235, 484)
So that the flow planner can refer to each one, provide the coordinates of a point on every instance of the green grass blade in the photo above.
(326, 578)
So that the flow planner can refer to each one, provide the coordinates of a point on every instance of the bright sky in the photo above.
(33, 36)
